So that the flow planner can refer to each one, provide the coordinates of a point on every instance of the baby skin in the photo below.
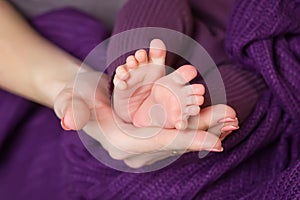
(145, 96)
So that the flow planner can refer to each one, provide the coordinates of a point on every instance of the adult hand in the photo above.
(85, 104)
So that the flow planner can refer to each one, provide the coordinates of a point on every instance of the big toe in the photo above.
(184, 74)
(157, 52)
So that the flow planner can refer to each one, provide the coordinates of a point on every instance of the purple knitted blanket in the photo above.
(261, 160)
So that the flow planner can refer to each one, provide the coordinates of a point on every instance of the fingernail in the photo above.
(224, 134)
(227, 119)
(63, 125)
(236, 127)
(217, 150)
(229, 128)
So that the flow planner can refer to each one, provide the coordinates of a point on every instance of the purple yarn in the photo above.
(74, 31)
(261, 160)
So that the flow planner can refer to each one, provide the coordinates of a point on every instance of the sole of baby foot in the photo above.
(133, 80)
(176, 99)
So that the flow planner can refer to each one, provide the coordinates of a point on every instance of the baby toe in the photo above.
(181, 125)
(122, 72)
(119, 84)
(198, 89)
(141, 56)
(195, 100)
(131, 62)
(195, 89)
(192, 110)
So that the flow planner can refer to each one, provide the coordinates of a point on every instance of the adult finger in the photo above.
(151, 158)
(74, 104)
(142, 160)
(189, 140)
(72, 110)
(144, 140)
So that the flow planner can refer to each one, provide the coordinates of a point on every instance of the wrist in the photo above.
(50, 82)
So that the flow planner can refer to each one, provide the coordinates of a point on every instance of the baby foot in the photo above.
(171, 101)
(218, 119)
(133, 80)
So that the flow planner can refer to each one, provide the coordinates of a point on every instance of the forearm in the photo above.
(30, 66)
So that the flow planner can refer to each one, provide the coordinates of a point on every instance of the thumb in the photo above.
(73, 111)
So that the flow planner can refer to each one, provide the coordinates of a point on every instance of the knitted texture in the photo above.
(242, 88)
(261, 160)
